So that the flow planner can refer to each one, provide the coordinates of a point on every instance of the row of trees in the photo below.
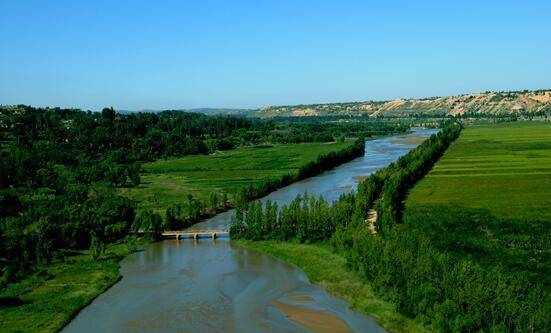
(403, 262)
(383, 190)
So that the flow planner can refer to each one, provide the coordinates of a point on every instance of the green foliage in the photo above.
(404, 173)
(311, 219)
(148, 222)
(305, 219)
(97, 247)
(455, 269)
(184, 215)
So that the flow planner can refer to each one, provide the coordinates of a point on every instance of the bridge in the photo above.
(196, 234)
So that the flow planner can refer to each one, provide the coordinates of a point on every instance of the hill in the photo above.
(525, 102)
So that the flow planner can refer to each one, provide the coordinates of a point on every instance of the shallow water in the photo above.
(215, 286)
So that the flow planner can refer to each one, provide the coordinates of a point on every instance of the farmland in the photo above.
(488, 198)
(168, 182)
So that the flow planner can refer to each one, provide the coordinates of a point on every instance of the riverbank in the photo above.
(53, 295)
(329, 270)
(249, 171)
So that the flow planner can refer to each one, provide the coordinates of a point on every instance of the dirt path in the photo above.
(372, 221)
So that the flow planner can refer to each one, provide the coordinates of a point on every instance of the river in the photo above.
(216, 286)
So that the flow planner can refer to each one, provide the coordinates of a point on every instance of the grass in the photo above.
(328, 269)
(54, 295)
(504, 169)
(168, 182)
(489, 198)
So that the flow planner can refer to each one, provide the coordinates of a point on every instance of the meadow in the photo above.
(504, 169)
(168, 182)
(488, 198)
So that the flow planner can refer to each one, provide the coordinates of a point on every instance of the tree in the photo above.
(149, 222)
(108, 114)
(134, 174)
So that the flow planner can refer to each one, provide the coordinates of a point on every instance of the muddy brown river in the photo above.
(216, 286)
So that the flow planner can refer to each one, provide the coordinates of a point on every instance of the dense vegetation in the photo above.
(310, 219)
(60, 170)
(453, 276)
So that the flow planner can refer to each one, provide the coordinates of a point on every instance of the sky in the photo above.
(135, 55)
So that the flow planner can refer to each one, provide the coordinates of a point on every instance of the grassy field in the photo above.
(329, 270)
(504, 169)
(52, 296)
(489, 198)
(168, 182)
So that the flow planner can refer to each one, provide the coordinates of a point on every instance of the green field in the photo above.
(489, 198)
(168, 182)
(504, 169)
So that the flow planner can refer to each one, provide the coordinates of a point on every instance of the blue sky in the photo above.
(173, 54)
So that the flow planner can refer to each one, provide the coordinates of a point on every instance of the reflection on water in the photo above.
(214, 286)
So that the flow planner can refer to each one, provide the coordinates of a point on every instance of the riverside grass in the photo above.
(329, 270)
(54, 294)
(166, 183)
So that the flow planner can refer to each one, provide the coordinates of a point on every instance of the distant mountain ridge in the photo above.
(222, 111)
(207, 111)
(490, 103)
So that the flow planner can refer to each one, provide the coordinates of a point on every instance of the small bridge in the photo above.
(192, 234)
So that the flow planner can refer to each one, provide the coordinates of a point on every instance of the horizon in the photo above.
(206, 55)
(197, 109)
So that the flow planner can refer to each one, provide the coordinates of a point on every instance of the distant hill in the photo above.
(221, 111)
(512, 102)
(207, 111)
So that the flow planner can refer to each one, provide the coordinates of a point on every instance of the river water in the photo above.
(216, 286)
